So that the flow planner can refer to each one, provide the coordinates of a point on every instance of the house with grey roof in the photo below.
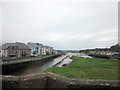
(51, 50)
(36, 48)
(39, 49)
(16, 49)
(43, 50)
(48, 49)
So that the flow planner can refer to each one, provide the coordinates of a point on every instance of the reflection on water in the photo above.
(37, 67)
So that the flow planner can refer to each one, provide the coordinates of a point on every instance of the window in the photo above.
(37, 43)
(37, 48)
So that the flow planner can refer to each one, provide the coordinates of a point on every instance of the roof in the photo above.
(0, 47)
(45, 46)
(31, 45)
(18, 44)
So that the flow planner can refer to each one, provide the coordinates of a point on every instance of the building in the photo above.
(15, 50)
(0, 51)
(43, 50)
(36, 48)
(48, 50)
(39, 49)
(51, 50)
(55, 52)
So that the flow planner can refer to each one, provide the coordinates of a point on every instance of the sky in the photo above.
(62, 24)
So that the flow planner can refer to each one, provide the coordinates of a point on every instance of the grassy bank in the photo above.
(92, 68)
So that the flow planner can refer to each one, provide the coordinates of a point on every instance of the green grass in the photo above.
(88, 68)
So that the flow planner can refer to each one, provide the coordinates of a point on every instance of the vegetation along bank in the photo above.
(89, 68)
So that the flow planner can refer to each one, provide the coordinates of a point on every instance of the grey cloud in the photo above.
(33, 21)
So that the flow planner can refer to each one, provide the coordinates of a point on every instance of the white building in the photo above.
(43, 51)
(3, 53)
(51, 50)
(36, 48)
(40, 49)
(48, 50)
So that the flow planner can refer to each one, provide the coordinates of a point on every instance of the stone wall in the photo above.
(49, 80)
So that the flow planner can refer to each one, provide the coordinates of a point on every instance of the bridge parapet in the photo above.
(50, 80)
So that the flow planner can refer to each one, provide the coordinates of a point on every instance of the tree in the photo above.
(34, 52)
(115, 48)
(47, 53)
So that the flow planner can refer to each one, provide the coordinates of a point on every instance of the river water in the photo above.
(37, 67)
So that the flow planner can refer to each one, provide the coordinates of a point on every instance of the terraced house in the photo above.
(16, 49)
(36, 48)
(39, 49)
(48, 50)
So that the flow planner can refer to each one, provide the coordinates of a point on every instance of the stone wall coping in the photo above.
(83, 82)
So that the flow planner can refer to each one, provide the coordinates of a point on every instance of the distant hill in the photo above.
(115, 48)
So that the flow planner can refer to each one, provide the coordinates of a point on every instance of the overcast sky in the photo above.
(60, 24)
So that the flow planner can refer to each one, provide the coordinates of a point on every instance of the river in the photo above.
(37, 67)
